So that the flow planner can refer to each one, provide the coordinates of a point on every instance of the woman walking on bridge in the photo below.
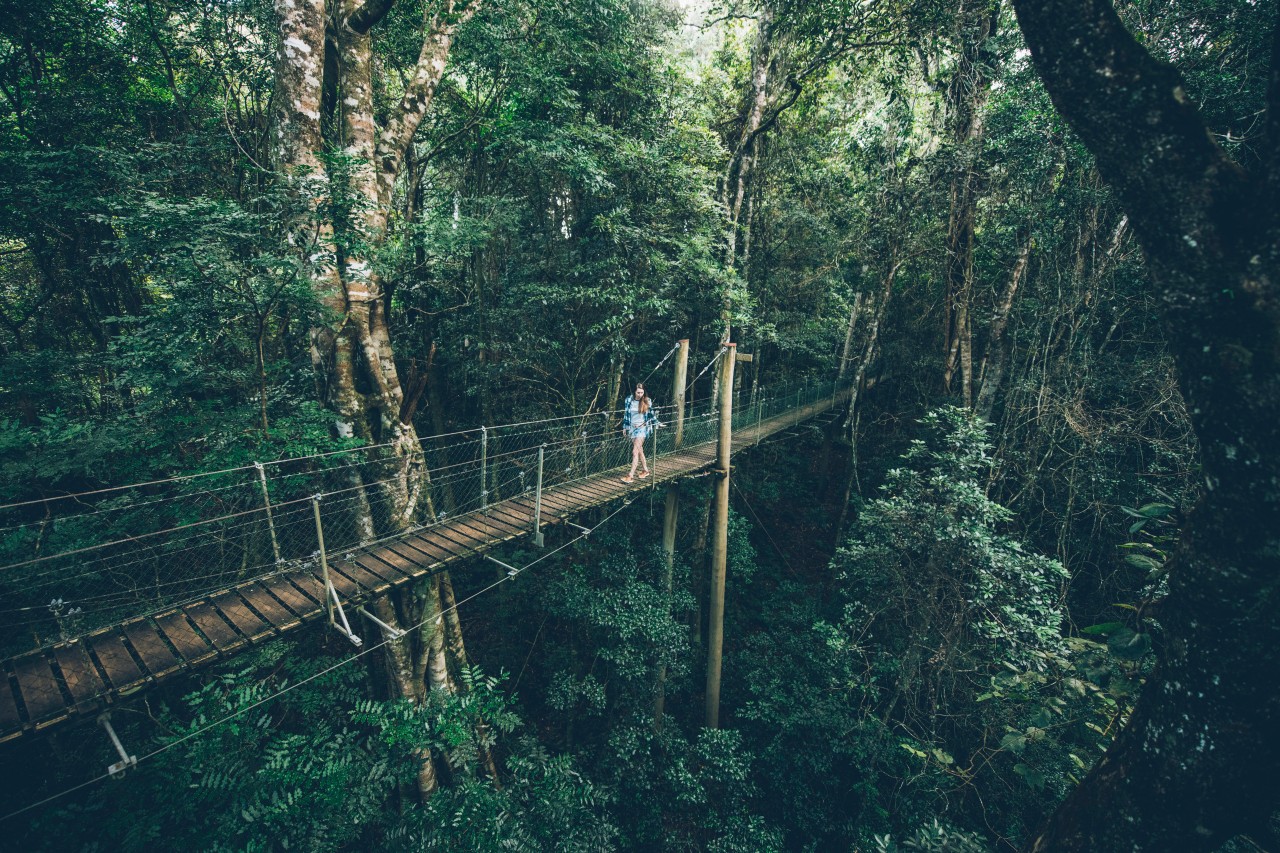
(639, 419)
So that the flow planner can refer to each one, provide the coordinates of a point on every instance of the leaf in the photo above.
(1142, 561)
(1032, 777)
(1129, 645)
(1155, 510)
(1104, 628)
(1014, 742)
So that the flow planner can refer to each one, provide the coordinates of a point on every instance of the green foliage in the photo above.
(934, 537)
(543, 804)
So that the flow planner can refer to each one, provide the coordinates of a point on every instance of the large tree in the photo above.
(1196, 763)
(326, 136)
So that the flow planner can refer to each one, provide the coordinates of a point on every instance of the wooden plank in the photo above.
(389, 573)
(265, 603)
(10, 721)
(190, 645)
(368, 580)
(238, 613)
(458, 541)
(570, 494)
(415, 559)
(515, 514)
(121, 669)
(607, 483)
(555, 502)
(346, 587)
(405, 560)
(78, 672)
(39, 689)
(420, 548)
(590, 494)
(212, 624)
(155, 653)
(308, 583)
(494, 521)
(488, 529)
(548, 515)
(303, 606)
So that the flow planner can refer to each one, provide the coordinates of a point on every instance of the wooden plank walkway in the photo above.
(77, 678)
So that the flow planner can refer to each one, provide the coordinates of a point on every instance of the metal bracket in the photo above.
(392, 633)
(345, 627)
(126, 760)
(512, 571)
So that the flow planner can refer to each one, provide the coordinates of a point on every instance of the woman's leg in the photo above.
(637, 451)
(644, 463)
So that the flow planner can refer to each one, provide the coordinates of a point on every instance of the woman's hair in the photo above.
(645, 402)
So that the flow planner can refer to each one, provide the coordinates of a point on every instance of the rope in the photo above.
(323, 672)
(760, 523)
(670, 353)
(238, 469)
(722, 351)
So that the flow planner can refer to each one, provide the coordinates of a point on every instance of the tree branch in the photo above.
(1130, 108)
(437, 39)
(368, 14)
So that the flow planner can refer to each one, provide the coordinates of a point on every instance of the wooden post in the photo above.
(677, 390)
(670, 518)
(720, 541)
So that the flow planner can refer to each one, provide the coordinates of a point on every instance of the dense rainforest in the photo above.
(1019, 589)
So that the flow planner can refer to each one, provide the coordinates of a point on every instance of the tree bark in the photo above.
(991, 374)
(1195, 765)
(352, 351)
(966, 95)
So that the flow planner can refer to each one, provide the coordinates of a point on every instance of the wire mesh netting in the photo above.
(70, 564)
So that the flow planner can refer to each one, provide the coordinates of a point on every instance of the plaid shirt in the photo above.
(636, 423)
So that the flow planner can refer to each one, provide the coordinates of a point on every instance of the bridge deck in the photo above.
(76, 678)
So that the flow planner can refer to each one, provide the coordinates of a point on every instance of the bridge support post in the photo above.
(324, 558)
(484, 464)
(537, 501)
(759, 415)
(126, 760)
(330, 594)
(266, 505)
(677, 389)
(720, 542)
(670, 517)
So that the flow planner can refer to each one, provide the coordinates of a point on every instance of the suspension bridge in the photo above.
(191, 570)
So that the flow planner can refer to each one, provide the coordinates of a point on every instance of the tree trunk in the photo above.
(966, 95)
(855, 388)
(1195, 765)
(847, 351)
(352, 351)
(991, 374)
